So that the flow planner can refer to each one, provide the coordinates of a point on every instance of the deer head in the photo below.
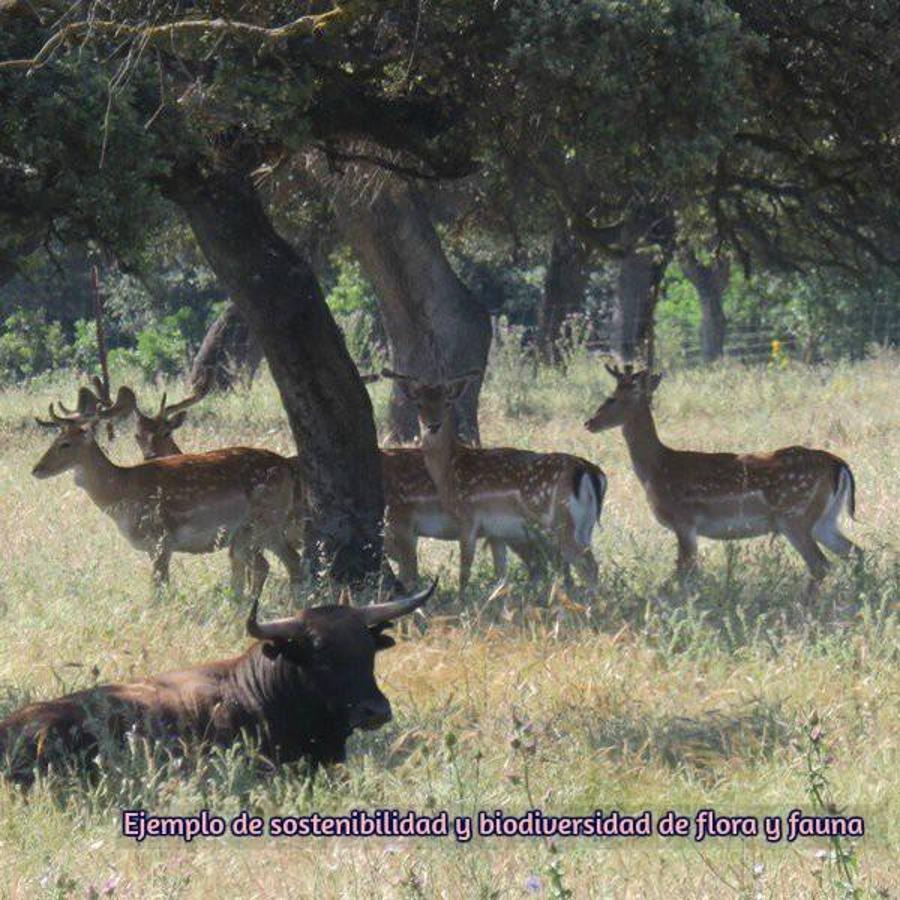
(434, 401)
(154, 433)
(632, 392)
(76, 431)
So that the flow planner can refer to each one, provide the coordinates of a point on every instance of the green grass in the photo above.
(635, 697)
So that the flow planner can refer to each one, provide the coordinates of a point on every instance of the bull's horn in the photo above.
(270, 631)
(378, 613)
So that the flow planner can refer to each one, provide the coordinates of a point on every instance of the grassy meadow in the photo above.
(636, 696)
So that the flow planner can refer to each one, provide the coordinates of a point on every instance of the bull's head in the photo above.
(335, 648)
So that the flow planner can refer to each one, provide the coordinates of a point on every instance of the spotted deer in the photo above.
(412, 507)
(502, 493)
(794, 491)
(238, 498)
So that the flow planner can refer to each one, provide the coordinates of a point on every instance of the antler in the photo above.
(86, 406)
(126, 403)
(90, 411)
(198, 391)
(617, 373)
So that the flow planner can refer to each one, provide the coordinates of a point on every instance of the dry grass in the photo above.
(636, 698)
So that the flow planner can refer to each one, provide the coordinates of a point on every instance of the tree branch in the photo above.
(305, 25)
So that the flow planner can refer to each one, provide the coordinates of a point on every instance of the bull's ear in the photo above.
(382, 641)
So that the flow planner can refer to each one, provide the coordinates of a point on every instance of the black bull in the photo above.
(301, 690)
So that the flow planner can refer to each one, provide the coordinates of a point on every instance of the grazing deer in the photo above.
(193, 503)
(795, 491)
(503, 493)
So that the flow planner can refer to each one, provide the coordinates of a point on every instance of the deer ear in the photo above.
(177, 420)
(653, 382)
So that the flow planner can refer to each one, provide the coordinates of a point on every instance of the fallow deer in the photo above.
(794, 491)
(502, 493)
(238, 498)
(413, 509)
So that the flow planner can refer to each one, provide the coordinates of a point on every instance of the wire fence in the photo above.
(678, 345)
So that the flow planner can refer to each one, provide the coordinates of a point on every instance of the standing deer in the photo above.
(194, 503)
(413, 509)
(795, 491)
(502, 493)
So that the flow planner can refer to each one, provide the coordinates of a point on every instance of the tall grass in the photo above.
(636, 696)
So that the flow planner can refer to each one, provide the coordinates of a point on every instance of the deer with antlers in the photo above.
(238, 498)
(413, 509)
(794, 491)
(502, 493)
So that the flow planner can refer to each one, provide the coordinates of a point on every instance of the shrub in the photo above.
(29, 344)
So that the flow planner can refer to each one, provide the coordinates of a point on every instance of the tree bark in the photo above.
(640, 275)
(435, 327)
(710, 282)
(564, 288)
(647, 243)
(327, 405)
(229, 349)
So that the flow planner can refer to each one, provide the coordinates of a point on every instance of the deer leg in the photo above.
(400, 546)
(161, 559)
(467, 545)
(290, 559)
(259, 571)
(575, 554)
(687, 554)
(581, 559)
(501, 567)
(802, 540)
(531, 557)
(242, 556)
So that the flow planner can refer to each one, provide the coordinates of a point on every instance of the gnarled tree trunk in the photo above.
(327, 405)
(229, 349)
(710, 281)
(564, 287)
(640, 275)
(647, 243)
(434, 324)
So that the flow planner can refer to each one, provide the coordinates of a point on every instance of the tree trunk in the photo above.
(710, 282)
(327, 404)
(435, 327)
(640, 275)
(564, 287)
(229, 349)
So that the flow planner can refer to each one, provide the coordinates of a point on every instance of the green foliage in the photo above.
(351, 292)
(29, 344)
(163, 349)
